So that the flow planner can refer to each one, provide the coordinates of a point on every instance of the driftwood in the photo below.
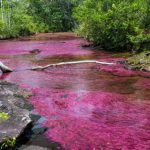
(4, 68)
(70, 63)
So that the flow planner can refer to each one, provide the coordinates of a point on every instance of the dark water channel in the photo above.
(82, 106)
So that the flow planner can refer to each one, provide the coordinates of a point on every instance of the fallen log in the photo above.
(71, 63)
(5, 68)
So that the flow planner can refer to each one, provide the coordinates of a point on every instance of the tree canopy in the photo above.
(23, 17)
(115, 24)
(112, 24)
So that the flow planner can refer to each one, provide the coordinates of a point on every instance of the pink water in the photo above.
(85, 106)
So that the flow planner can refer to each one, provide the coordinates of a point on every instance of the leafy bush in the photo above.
(9, 143)
(22, 25)
(2, 28)
(113, 24)
(25, 17)
(15, 21)
(141, 42)
(56, 15)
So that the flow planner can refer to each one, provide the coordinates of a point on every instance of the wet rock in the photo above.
(148, 54)
(33, 148)
(4, 68)
(35, 117)
(37, 129)
(35, 51)
(12, 102)
(147, 68)
(121, 61)
(86, 45)
(140, 61)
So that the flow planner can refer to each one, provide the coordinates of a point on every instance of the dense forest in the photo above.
(23, 17)
(112, 24)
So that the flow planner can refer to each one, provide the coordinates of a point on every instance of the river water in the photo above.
(83, 106)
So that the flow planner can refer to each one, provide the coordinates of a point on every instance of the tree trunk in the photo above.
(6, 69)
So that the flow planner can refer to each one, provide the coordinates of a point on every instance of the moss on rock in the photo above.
(140, 61)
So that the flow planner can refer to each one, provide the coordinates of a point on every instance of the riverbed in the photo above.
(82, 106)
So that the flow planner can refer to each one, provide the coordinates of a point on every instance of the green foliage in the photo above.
(55, 15)
(4, 116)
(23, 25)
(140, 61)
(24, 17)
(114, 24)
(146, 20)
(14, 19)
(8, 143)
(140, 42)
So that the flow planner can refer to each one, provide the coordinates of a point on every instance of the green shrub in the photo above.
(23, 25)
(141, 42)
(4, 116)
(9, 143)
(15, 20)
(56, 15)
(113, 24)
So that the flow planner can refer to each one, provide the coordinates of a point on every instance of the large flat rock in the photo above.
(13, 102)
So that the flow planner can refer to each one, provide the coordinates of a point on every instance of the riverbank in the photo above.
(14, 114)
(139, 62)
(132, 61)
(44, 37)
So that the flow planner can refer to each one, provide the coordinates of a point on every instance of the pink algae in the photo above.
(94, 120)
(85, 106)
(48, 47)
(144, 83)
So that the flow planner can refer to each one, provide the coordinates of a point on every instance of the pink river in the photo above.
(84, 106)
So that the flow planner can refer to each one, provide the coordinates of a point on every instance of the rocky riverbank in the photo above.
(139, 62)
(14, 112)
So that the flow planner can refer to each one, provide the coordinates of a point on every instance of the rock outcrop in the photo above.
(139, 62)
(13, 103)
(5, 68)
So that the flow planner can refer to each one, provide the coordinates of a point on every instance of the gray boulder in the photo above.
(32, 147)
(13, 103)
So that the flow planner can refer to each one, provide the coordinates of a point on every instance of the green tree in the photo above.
(14, 19)
(114, 24)
(55, 15)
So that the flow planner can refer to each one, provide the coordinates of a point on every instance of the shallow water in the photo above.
(84, 106)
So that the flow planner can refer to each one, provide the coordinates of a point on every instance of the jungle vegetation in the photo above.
(112, 24)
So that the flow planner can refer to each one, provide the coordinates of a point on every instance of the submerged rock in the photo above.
(33, 148)
(13, 103)
(35, 51)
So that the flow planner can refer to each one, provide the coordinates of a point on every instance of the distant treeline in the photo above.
(24, 17)
(111, 24)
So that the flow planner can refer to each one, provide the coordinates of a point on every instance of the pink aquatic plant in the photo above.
(93, 120)
(88, 106)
